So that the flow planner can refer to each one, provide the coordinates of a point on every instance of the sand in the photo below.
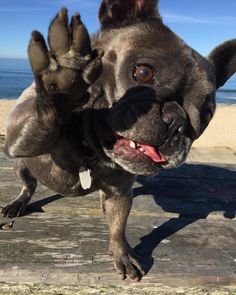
(5, 106)
(220, 133)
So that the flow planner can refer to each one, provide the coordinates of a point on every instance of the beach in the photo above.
(221, 131)
(5, 106)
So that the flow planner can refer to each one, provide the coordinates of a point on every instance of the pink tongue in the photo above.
(151, 152)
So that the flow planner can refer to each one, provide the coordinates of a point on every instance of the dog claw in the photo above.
(37, 52)
(80, 37)
(58, 35)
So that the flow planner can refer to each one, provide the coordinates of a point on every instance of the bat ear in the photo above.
(114, 12)
(223, 57)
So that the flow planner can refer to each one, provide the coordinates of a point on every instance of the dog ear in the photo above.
(114, 12)
(223, 58)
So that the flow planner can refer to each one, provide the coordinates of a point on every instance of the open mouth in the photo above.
(130, 149)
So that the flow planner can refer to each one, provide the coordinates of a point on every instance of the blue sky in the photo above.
(203, 24)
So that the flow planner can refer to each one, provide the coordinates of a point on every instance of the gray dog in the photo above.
(129, 102)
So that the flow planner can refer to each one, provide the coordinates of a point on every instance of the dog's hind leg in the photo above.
(17, 207)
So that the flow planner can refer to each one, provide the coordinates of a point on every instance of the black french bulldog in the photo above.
(128, 103)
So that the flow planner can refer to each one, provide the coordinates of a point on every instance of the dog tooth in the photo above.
(132, 144)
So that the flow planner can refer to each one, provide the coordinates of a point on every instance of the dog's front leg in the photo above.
(117, 209)
(63, 72)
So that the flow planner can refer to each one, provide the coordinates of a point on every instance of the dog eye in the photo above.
(143, 73)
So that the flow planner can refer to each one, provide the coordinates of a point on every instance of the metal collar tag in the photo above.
(85, 178)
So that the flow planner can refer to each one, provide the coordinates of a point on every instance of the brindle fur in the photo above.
(63, 121)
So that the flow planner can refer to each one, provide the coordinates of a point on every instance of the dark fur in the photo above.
(74, 114)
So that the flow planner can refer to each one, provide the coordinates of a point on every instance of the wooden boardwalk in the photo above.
(182, 223)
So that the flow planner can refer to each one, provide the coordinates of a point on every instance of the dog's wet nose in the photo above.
(175, 118)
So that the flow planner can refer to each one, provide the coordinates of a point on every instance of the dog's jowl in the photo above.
(128, 102)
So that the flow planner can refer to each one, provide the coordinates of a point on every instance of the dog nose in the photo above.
(172, 120)
(175, 118)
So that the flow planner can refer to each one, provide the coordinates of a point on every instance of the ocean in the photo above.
(16, 75)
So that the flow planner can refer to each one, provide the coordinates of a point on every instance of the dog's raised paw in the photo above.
(69, 66)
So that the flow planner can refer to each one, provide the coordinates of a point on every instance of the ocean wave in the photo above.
(226, 97)
(15, 72)
(224, 90)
